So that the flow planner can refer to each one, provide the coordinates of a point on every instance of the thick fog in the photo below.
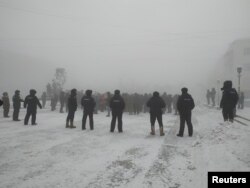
(131, 45)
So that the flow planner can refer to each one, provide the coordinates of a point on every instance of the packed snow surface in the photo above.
(49, 155)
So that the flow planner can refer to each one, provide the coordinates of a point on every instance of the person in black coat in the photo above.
(31, 102)
(72, 107)
(16, 105)
(228, 101)
(185, 105)
(117, 105)
(156, 105)
(88, 104)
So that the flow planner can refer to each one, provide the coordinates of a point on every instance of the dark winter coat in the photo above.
(185, 103)
(1, 102)
(117, 103)
(6, 102)
(88, 103)
(17, 101)
(32, 102)
(229, 99)
(72, 103)
(156, 104)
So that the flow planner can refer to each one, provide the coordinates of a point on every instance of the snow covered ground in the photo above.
(49, 155)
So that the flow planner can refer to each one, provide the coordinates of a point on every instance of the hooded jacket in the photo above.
(156, 103)
(32, 102)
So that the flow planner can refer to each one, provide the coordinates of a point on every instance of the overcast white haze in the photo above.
(132, 45)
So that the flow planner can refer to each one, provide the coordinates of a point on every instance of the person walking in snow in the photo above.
(72, 107)
(117, 106)
(185, 105)
(88, 104)
(31, 102)
(228, 101)
(156, 105)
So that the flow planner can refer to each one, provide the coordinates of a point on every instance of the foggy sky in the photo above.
(133, 45)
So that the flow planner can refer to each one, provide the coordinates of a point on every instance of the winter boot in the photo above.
(161, 131)
(152, 130)
(67, 124)
(71, 125)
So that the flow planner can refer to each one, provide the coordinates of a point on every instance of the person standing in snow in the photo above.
(6, 105)
(241, 101)
(31, 102)
(228, 101)
(185, 105)
(156, 105)
(72, 107)
(117, 106)
(88, 104)
(16, 105)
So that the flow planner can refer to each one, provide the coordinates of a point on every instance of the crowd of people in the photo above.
(118, 103)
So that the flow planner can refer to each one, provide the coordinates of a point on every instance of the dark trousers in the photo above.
(186, 117)
(116, 115)
(153, 117)
(15, 113)
(71, 115)
(91, 121)
(29, 113)
(228, 114)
